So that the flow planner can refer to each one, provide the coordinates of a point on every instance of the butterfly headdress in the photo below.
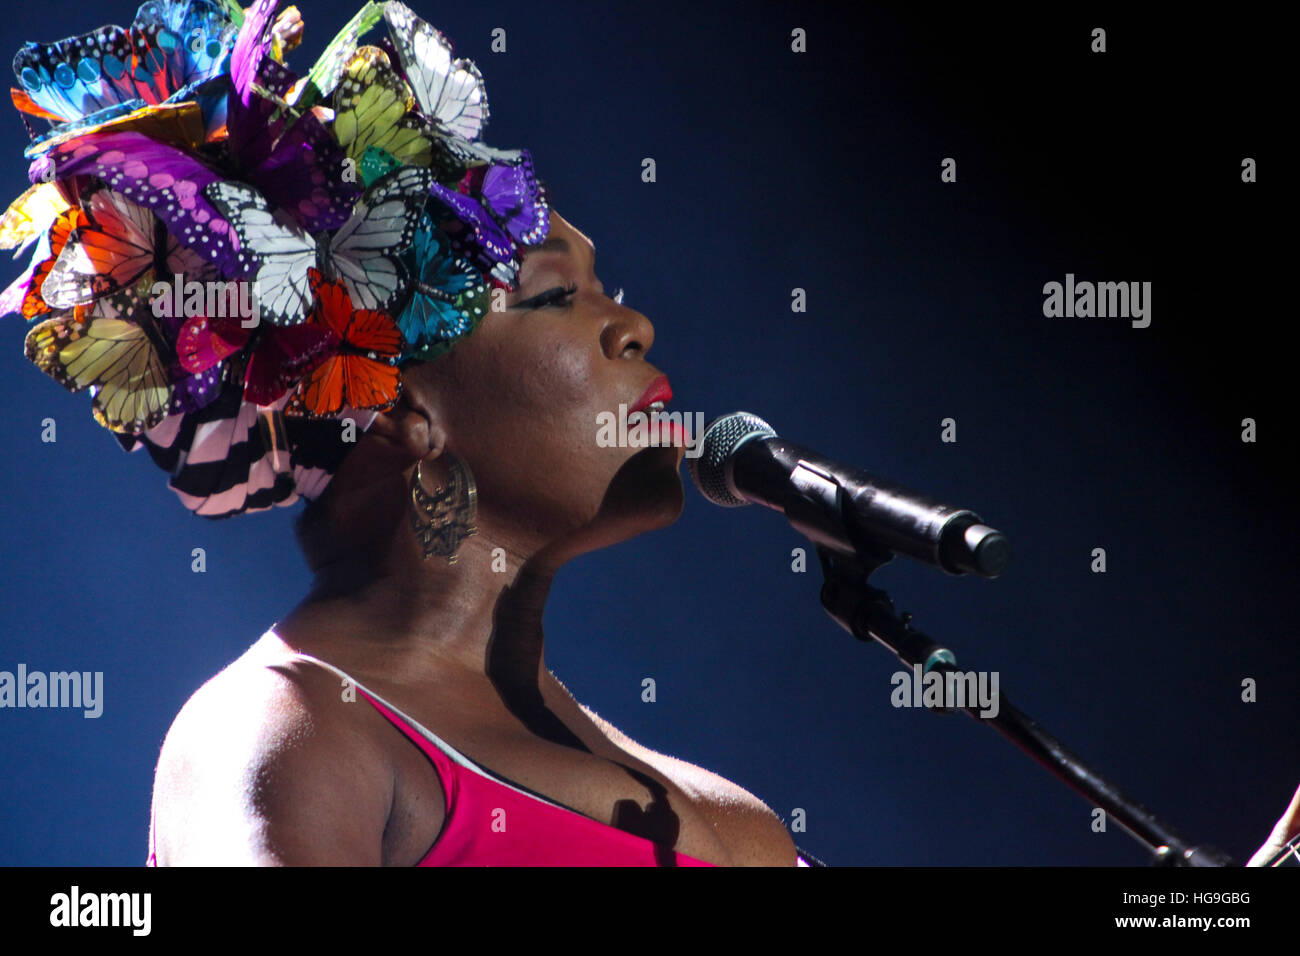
(237, 261)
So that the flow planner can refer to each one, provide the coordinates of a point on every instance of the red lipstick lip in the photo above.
(657, 391)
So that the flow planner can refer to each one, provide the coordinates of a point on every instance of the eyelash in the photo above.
(557, 296)
(554, 296)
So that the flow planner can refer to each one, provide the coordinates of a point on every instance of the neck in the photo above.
(379, 605)
(481, 615)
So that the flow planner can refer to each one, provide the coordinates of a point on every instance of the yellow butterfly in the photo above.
(373, 106)
(115, 348)
(31, 214)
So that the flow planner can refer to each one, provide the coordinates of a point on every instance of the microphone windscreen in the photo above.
(722, 437)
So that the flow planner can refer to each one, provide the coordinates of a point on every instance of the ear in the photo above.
(412, 428)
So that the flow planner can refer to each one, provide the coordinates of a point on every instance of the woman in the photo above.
(273, 762)
(358, 205)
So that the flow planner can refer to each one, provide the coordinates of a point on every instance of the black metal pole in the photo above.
(868, 614)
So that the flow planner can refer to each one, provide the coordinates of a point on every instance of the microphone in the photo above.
(845, 509)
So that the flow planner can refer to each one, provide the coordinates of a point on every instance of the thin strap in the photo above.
(447, 749)
(433, 738)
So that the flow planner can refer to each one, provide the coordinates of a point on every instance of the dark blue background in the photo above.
(818, 171)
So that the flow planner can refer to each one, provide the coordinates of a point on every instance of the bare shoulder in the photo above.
(750, 828)
(261, 767)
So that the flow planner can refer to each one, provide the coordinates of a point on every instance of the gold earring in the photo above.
(442, 519)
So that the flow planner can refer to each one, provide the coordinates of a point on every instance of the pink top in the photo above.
(493, 821)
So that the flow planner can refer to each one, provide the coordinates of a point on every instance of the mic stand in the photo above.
(867, 613)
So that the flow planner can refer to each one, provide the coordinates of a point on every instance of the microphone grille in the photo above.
(722, 437)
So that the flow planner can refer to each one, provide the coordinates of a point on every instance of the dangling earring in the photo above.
(442, 519)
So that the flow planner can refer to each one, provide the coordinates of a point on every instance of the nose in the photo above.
(626, 330)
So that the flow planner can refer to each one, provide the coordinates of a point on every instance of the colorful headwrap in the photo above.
(238, 261)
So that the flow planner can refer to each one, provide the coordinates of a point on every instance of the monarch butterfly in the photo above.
(34, 303)
(362, 370)
(120, 243)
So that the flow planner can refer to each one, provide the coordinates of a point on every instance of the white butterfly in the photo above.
(360, 253)
(448, 90)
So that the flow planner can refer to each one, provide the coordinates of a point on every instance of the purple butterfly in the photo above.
(276, 78)
(506, 206)
(250, 46)
(41, 170)
(475, 234)
(295, 162)
(514, 197)
(190, 391)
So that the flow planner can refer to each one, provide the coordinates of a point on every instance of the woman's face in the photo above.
(521, 400)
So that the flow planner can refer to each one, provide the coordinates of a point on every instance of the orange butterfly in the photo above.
(116, 243)
(362, 370)
(34, 303)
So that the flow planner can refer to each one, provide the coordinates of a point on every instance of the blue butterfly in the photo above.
(449, 296)
(171, 47)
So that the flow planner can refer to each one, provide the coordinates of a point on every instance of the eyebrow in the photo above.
(557, 244)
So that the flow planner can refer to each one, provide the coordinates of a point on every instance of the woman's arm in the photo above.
(261, 768)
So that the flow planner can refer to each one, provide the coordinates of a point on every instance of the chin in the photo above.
(645, 494)
(664, 492)
(653, 482)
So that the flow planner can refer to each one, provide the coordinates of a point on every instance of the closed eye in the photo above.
(556, 296)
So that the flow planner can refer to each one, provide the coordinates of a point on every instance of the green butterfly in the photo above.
(324, 76)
